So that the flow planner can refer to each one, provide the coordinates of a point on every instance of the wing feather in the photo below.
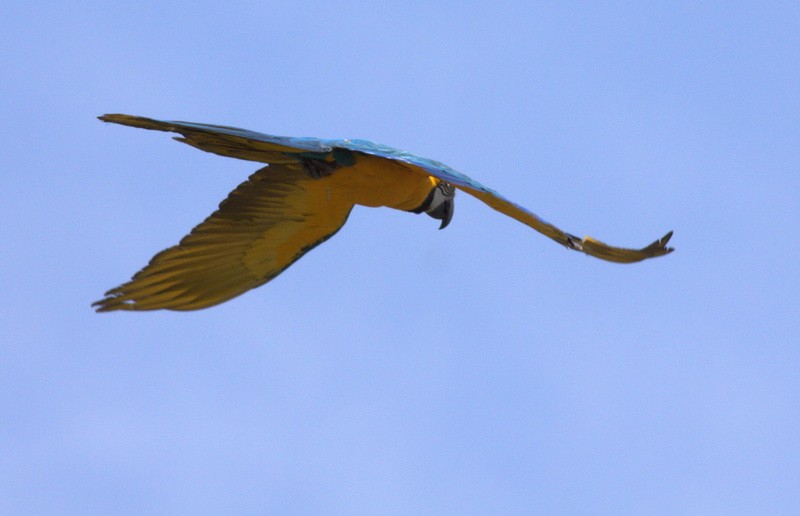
(266, 224)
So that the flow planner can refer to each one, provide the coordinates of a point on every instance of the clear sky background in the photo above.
(398, 368)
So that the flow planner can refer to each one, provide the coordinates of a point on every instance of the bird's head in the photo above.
(440, 203)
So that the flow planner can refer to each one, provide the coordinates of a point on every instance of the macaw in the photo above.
(299, 200)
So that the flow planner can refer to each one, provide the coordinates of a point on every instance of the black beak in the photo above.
(443, 212)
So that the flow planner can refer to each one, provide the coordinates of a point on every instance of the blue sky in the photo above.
(397, 368)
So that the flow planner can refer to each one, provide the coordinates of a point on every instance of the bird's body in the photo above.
(298, 201)
(374, 182)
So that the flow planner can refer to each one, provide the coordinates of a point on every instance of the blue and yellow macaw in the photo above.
(299, 200)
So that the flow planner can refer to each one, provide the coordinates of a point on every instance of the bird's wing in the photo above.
(266, 224)
(254, 146)
(588, 245)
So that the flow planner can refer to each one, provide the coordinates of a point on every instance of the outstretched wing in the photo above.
(254, 146)
(266, 224)
(588, 245)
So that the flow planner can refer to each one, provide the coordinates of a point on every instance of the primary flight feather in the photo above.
(300, 199)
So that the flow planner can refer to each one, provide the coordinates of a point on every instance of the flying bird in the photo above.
(299, 200)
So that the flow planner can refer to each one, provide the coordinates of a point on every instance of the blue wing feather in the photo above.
(321, 145)
(302, 144)
(307, 144)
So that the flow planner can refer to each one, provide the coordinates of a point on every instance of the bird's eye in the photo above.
(447, 189)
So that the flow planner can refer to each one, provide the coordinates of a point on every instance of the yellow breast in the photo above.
(374, 181)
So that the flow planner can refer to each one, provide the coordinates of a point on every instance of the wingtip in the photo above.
(661, 244)
(113, 117)
(136, 121)
(100, 306)
(598, 249)
(659, 247)
(111, 304)
(103, 305)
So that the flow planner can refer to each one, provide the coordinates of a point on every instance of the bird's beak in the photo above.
(443, 212)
